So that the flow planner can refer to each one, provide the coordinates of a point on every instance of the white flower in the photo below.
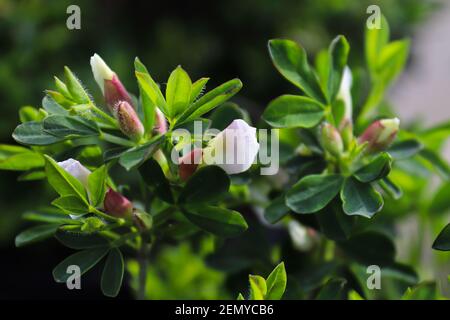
(233, 149)
(345, 94)
(101, 71)
(76, 169)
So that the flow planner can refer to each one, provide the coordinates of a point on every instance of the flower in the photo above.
(117, 205)
(160, 122)
(129, 122)
(76, 169)
(233, 149)
(380, 134)
(112, 89)
(345, 95)
(189, 163)
(331, 140)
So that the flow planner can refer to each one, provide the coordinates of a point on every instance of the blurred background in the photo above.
(219, 39)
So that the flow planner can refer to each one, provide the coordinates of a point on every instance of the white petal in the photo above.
(344, 93)
(76, 169)
(101, 71)
(235, 148)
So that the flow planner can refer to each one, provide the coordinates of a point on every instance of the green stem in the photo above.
(104, 115)
(143, 265)
(118, 221)
(116, 140)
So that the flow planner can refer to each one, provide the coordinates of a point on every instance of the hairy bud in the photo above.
(331, 140)
(129, 122)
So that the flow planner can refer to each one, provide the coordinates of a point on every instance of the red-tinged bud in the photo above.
(117, 205)
(380, 134)
(113, 90)
(160, 122)
(129, 121)
(189, 163)
(331, 140)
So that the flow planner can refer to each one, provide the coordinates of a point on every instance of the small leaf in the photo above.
(333, 290)
(79, 241)
(391, 188)
(276, 283)
(97, 186)
(290, 111)
(392, 60)
(206, 185)
(19, 159)
(240, 297)
(85, 260)
(75, 87)
(360, 198)
(442, 241)
(313, 192)
(70, 127)
(33, 134)
(152, 90)
(52, 107)
(375, 40)
(258, 287)
(424, 291)
(405, 149)
(28, 113)
(136, 156)
(63, 183)
(112, 274)
(276, 210)
(291, 61)
(334, 223)
(210, 100)
(219, 221)
(154, 177)
(178, 91)
(35, 234)
(338, 52)
(197, 88)
(378, 168)
(148, 106)
(72, 205)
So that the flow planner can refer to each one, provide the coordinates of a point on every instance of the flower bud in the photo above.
(76, 169)
(346, 130)
(345, 95)
(331, 140)
(189, 163)
(129, 122)
(233, 149)
(142, 220)
(380, 134)
(108, 81)
(160, 122)
(117, 205)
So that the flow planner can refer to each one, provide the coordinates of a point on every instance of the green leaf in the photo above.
(80, 241)
(392, 60)
(152, 90)
(216, 220)
(442, 241)
(178, 91)
(85, 259)
(19, 159)
(112, 274)
(334, 223)
(240, 297)
(291, 61)
(360, 198)
(210, 100)
(424, 291)
(276, 210)
(75, 87)
(333, 290)
(391, 188)
(197, 88)
(338, 51)
(97, 186)
(136, 156)
(154, 177)
(258, 287)
(276, 283)
(207, 184)
(52, 107)
(370, 247)
(441, 200)
(440, 165)
(63, 183)
(148, 107)
(72, 205)
(32, 133)
(28, 113)
(313, 192)
(378, 168)
(225, 114)
(70, 127)
(405, 149)
(35, 234)
(375, 41)
(50, 216)
(288, 111)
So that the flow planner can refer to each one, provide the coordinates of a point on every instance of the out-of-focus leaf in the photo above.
(35, 234)
(376, 169)
(112, 274)
(442, 241)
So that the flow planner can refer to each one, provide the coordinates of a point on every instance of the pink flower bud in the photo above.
(189, 163)
(112, 89)
(380, 134)
(331, 140)
(129, 121)
(160, 122)
(117, 205)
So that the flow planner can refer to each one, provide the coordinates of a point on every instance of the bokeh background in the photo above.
(220, 39)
